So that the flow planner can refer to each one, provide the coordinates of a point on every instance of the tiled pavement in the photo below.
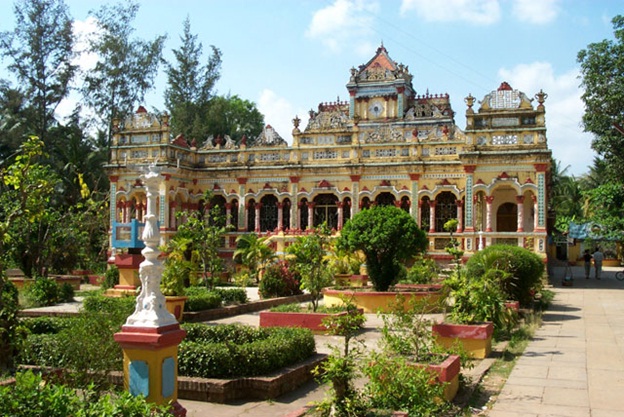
(574, 367)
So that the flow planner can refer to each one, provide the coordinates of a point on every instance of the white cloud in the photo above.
(342, 23)
(564, 111)
(279, 113)
(84, 60)
(481, 12)
(536, 11)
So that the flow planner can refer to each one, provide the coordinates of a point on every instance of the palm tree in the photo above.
(254, 253)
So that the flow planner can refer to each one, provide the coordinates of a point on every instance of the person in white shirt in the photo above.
(598, 258)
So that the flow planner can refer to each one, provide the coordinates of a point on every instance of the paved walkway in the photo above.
(574, 366)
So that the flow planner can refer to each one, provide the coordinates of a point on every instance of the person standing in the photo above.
(598, 258)
(587, 258)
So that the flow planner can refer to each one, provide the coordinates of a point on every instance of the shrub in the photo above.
(202, 301)
(424, 271)
(122, 306)
(227, 351)
(42, 292)
(395, 384)
(232, 295)
(279, 280)
(10, 335)
(111, 277)
(45, 324)
(523, 270)
(65, 293)
(32, 396)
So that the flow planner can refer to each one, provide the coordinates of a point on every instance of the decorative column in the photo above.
(520, 203)
(294, 208)
(488, 213)
(280, 216)
(228, 221)
(242, 205)
(460, 216)
(311, 215)
(535, 219)
(355, 186)
(468, 200)
(172, 215)
(340, 205)
(151, 335)
(415, 208)
(257, 224)
(540, 213)
(432, 205)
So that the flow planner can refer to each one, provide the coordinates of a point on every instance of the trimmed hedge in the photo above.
(205, 301)
(100, 303)
(234, 350)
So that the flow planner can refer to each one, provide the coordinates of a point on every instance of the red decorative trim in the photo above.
(384, 183)
(503, 176)
(113, 178)
(324, 184)
(414, 177)
(541, 167)
(355, 178)
(470, 169)
(242, 180)
(150, 338)
(505, 87)
(167, 176)
(294, 180)
(529, 181)
(479, 181)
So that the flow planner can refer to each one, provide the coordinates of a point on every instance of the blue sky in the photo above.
(288, 56)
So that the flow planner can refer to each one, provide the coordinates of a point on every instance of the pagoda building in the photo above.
(386, 145)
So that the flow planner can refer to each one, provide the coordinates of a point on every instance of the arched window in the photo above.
(445, 209)
(303, 214)
(385, 199)
(365, 203)
(507, 218)
(286, 214)
(326, 210)
(251, 215)
(346, 210)
(234, 214)
(405, 203)
(268, 213)
(217, 210)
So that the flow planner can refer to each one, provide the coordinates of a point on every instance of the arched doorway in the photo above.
(326, 210)
(507, 218)
(251, 215)
(303, 214)
(445, 209)
(268, 213)
(385, 199)
(425, 211)
(285, 214)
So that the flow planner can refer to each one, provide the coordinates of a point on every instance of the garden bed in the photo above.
(372, 301)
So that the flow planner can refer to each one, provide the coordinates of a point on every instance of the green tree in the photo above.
(14, 116)
(254, 253)
(602, 78)
(387, 236)
(203, 233)
(40, 50)
(606, 207)
(234, 116)
(310, 260)
(126, 67)
(191, 85)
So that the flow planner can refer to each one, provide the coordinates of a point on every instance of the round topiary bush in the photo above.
(279, 280)
(521, 269)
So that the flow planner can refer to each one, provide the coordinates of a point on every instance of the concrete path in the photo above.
(574, 366)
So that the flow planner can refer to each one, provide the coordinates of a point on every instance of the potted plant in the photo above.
(176, 273)
(346, 268)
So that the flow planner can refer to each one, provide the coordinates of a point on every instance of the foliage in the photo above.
(279, 280)
(453, 248)
(202, 301)
(111, 277)
(177, 270)
(308, 258)
(254, 253)
(344, 262)
(387, 236)
(518, 270)
(45, 324)
(190, 85)
(423, 271)
(602, 79)
(120, 306)
(10, 334)
(395, 384)
(479, 299)
(42, 292)
(606, 208)
(235, 117)
(341, 367)
(407, 332)
(198, 240)
(232, 295)
(32, 396)
(126, 67)
(234, 350)
(41, 49)
(87, 357)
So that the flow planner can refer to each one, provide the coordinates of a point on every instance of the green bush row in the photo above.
(47, 292)
(31, 396)
(234, 350)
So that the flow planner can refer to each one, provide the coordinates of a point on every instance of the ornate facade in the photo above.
(385, 145)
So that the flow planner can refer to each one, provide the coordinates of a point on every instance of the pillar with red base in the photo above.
(151, 335)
